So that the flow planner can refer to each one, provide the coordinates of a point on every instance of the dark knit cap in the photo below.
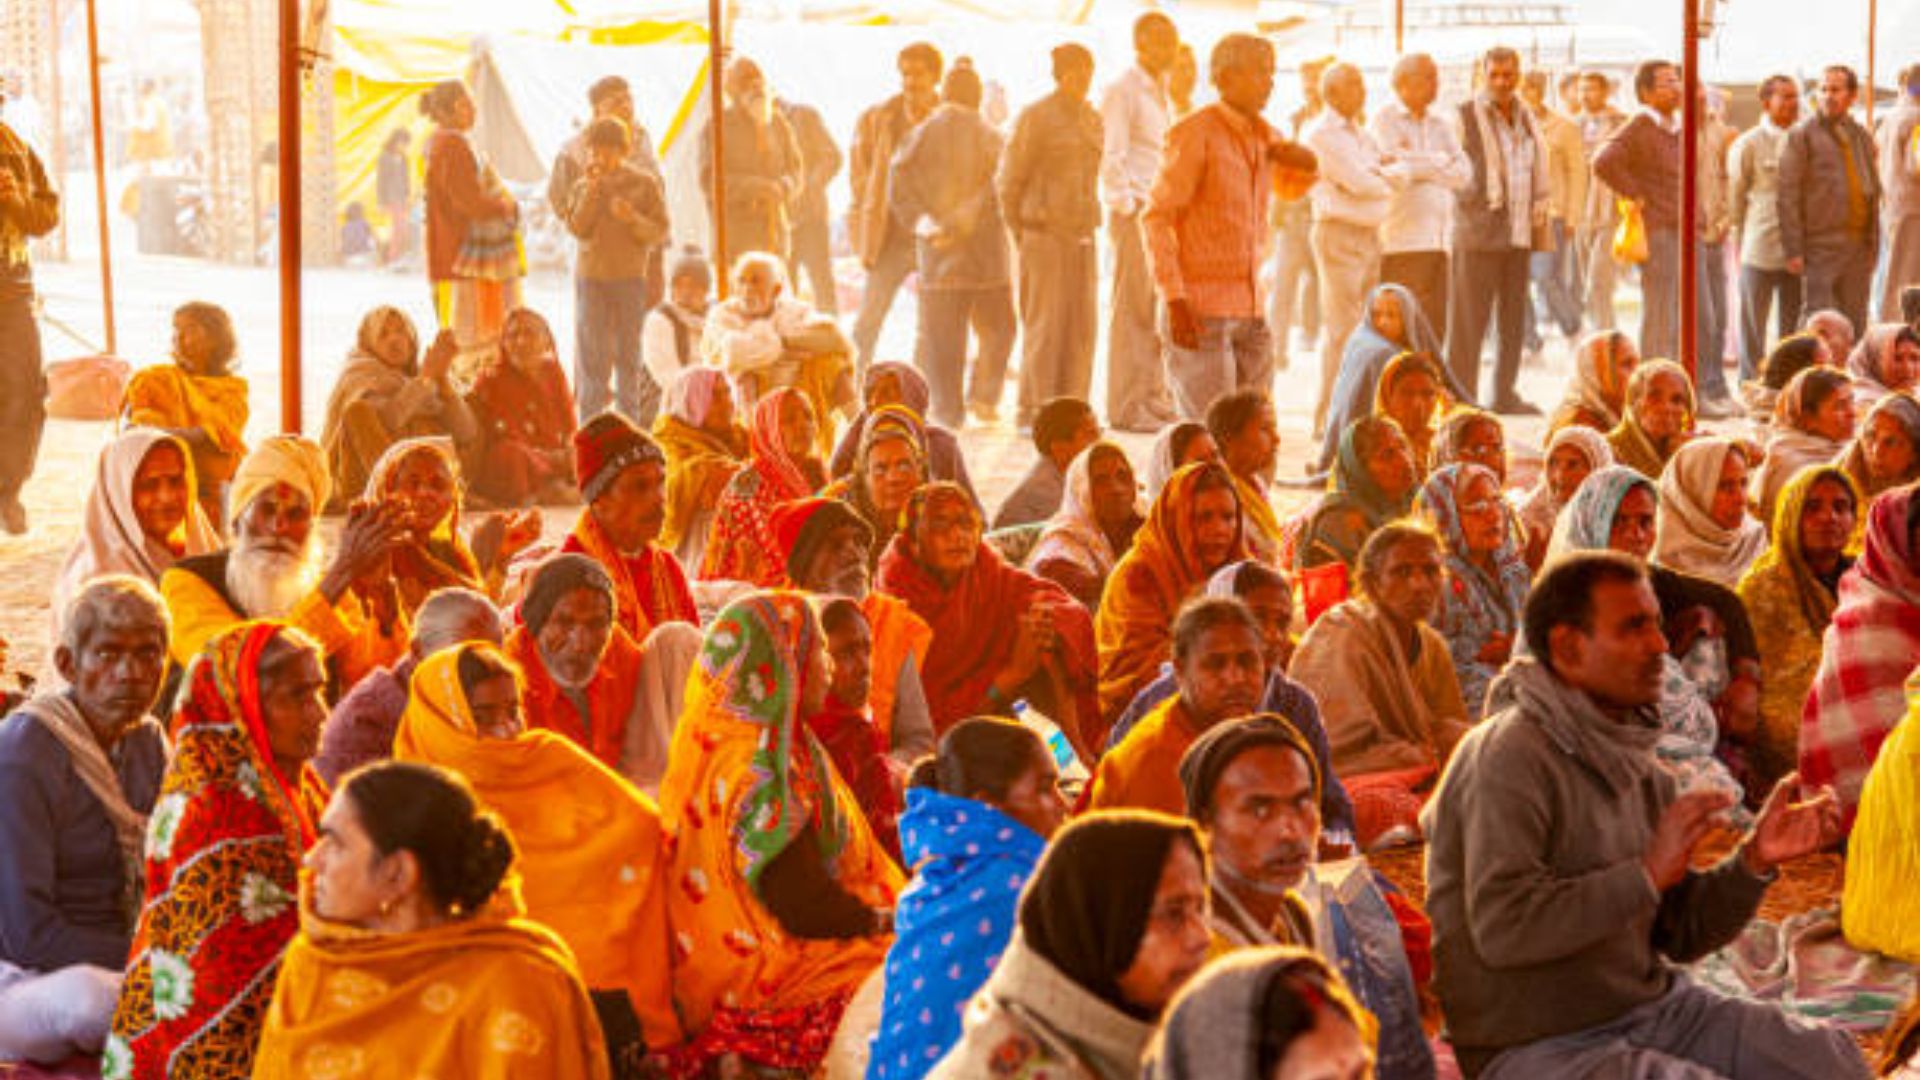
(802, 525)
(1086, 908)
(607, 445)
(1210, 754)
(554, 579)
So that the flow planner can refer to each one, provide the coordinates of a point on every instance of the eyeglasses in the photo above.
(1476, 507)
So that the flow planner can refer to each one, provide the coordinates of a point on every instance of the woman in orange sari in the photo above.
(1193, 528)
(779, 897)
(415, 956)
(741, 545)
(589, 842)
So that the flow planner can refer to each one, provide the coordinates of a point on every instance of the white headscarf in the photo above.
(1074, 533)
(1686, 537)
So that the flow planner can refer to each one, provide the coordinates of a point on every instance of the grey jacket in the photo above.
(943, 193)
(1813, 187)
(1050, 176)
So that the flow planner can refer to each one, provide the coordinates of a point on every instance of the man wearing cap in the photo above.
(623, 478)
(1253, 787)
(826, 544)
(582, 670)
(274, 568)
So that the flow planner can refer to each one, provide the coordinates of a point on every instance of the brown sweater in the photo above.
(1641, 161)
(1545, 922)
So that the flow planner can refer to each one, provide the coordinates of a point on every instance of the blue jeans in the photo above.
(607, 349)
(1758, 290)
(1710, 319)
(889, 271)
(945, 317)
(1232, 354)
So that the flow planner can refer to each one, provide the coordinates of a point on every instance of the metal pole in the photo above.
(716, 49)
(1689, 163)
(54, 107)
(1399, 27)
(100, 175)
(289, 222)
(1873, 26)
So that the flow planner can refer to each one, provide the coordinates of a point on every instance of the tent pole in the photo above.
(1873, 26)
(289, 217)
(1689, 212)
(100, 175)
(1399, 27)
(716, 48)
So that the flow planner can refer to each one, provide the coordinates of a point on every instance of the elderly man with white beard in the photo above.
(276, 568)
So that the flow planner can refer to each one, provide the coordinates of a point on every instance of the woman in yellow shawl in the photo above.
(198, 398)
(1658, 417)
(415, 957)
(590, 843)
(436, 553)
(779, 896)
(1193, 528)
(1789, 592)
(1879, 907)
(704, 448)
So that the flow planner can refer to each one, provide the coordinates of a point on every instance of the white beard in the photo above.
(266, 582)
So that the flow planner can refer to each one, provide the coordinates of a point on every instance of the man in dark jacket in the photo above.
(1830, 202)
(885, 247)
(812, 232)
(1049, 189)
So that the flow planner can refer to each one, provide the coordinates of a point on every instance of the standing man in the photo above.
(1134, 131)
(1414, 237)
(1552, 267)
(610, 96)
(765, 172)
(1641, 161)
(1049, 189)
(1295, 286)
(1900, 179)
(29, 207)
(1754, 205)
(1713, 221)
(1350, 200)
(1598, 119)
(812, 233)
(1830, 202)
(1205, 223)
(1498, 211)
(885, 246)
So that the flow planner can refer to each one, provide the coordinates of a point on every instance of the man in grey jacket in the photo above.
(1049, 189)
(1559, 865)
(1830, 202)
(1754, 167)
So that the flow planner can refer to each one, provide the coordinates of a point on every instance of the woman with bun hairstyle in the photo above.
(979, 812)
(415, 956)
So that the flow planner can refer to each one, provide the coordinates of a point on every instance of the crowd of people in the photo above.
(788, 758)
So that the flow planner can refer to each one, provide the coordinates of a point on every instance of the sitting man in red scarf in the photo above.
(582, 671)
(623, 478)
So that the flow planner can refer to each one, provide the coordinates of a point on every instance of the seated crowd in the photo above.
(781, 760)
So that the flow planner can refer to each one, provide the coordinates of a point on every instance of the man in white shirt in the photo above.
(1350, 200)
(1134, 115)
(1753, 168)
(1413, 239)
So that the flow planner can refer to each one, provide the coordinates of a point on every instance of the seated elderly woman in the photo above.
(1885, 451)
(784, 466)
(1789, 356)
(1193, 529)
(1486, 575)
(893, 383)
(223, 851)
(1573, 453)
(948, 576)
(590, 845)
(524, 409)
(1658, 417)
(889, 467)
(1790, 592)
(1187, 442)
(1597, 396)
(1886, 361)
(409, 902)
(1859, 695)
(1275, 1012)
(1373, 482)
(1812, 424)
(142, 516)
(1471, 436)
(704, 448)
(387, 392)
(766, 338)
(79, 773)
(421, 477)
(1385, 681)
(1395, 326)
(1094, 526)
(1247, 431)
(779, 897)
(1704, 528)
(1412, 394)
(198, 398)
(1112, 925)
(979, 813)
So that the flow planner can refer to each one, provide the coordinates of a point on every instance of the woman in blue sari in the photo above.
(1394, 325)
(1487, 575)
(979, 813)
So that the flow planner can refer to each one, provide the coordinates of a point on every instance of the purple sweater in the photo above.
(360, 730)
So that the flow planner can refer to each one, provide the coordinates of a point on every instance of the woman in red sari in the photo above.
(967, 593)
(525, 413)
(741, 545)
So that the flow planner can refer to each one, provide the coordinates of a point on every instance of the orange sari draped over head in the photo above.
(648, 589)
(169, 396)
(488, 997)
(590, 843)
(224, 844)
(1148, 585)
(745, 780)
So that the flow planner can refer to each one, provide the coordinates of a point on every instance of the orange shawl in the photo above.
(168, 396)
(610, 696)
(648, 589)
